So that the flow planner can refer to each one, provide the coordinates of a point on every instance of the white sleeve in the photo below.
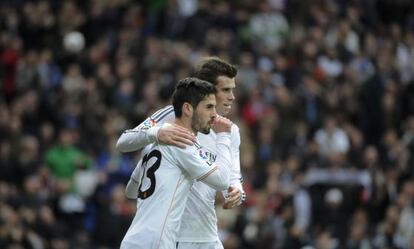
(191, 161)
(223, 141)
(146, 132)
(236, 178)
(131, 190)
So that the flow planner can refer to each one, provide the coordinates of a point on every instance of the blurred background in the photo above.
(325, 104)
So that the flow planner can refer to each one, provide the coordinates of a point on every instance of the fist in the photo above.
(221, 124)
(233, 197)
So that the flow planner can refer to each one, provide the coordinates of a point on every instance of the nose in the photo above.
(214, 113)
(231, 96)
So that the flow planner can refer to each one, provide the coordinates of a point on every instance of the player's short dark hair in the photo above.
(190, 90)
(210, 68)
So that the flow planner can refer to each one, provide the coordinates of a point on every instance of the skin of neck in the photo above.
(185, 122)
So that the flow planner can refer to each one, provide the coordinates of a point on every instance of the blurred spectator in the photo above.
(64, 159)
(332, 141)
(269, 28)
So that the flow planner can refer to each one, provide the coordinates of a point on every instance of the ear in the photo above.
(188, 109)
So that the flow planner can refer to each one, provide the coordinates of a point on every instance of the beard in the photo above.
(196, 125)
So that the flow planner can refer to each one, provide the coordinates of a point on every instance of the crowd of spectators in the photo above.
(325, 104)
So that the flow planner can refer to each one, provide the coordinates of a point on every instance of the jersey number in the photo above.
(150, 173)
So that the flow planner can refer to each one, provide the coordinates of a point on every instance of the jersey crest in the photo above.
(208, 157)
(149, 123)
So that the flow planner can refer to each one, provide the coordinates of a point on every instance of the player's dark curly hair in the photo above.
(190, 90)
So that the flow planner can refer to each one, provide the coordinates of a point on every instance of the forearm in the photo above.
(131, 190)
(215, 179)
(224, 157)
(137, 138)
(222, 175)
(236, 180)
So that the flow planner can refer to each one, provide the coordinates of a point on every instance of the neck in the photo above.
(183, 122)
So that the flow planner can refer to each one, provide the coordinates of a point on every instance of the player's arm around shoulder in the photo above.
(137, 138)
(156, 128)
(145, 133)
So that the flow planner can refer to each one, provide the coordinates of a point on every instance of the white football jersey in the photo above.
(167, 173)
(199, 220)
